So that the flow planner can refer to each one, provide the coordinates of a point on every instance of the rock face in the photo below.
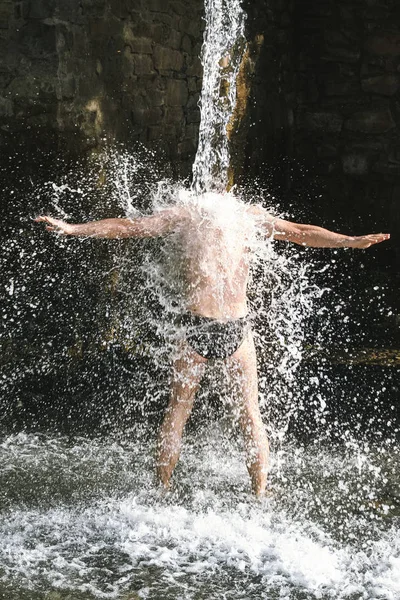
(83, 72)
(326, 95)
(324, 79)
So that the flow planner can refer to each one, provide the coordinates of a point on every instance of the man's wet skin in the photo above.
(216, 240)
(216, 252)
(216, 259)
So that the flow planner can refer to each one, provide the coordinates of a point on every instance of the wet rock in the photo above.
(41, 9)
(32, 88)
(308, 90)
(174, 39)
(178, 7)
(141, 45)
(154, 31)
(385, 85)
(38, 40)
(173, 114)
(327, 151)
(186, 44)
(387, 167)
(167, 59)
(384, 44)
(6, 12)
(322, 121)
(158, 132)
(94, 8)
(60, 57)
(373, 121)
(340, 47)
(189, 26)
(344, 54)
(177, 92)
(355, 164)
(146, 116)
(193, 116)
(143, 64)
(192, 84)
(343, 69)
(158, 6)
(195, 68)
(67, 86)
(342, 87)
(6, 107)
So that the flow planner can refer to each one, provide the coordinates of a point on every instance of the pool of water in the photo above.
(83, 518)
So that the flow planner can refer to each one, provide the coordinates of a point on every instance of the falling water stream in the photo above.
(81, 516)
(221, 55)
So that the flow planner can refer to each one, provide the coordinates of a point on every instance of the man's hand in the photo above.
(56, 225)
(365, 241)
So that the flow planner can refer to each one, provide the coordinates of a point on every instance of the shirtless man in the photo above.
(214, 318)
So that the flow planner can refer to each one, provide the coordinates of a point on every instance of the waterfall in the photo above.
(221, 57)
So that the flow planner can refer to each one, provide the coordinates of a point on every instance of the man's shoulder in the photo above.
(255, 209)
(258, 211)
(174, 212)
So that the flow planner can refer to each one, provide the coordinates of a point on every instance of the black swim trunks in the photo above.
(212, 338)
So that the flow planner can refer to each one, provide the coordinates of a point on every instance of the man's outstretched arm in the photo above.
(312, 235)
(318, 237)
(154, 225)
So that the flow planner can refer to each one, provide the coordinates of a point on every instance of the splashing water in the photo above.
(87, 521)
(81, 517)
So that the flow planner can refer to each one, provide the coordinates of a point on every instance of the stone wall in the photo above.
(325, 113)
(81, 72)
(270, 120)
(347, 112)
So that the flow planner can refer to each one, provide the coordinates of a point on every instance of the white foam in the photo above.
(208, 530)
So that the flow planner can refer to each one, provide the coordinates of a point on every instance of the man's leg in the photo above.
(242, 369)
(188, 370)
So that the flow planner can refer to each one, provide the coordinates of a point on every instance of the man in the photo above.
(216, 234)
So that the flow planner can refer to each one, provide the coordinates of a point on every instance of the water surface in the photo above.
(83, 518)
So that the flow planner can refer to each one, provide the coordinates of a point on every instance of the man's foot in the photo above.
(164, 485)
(265, 493)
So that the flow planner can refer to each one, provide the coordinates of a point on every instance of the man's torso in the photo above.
(216, 255)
